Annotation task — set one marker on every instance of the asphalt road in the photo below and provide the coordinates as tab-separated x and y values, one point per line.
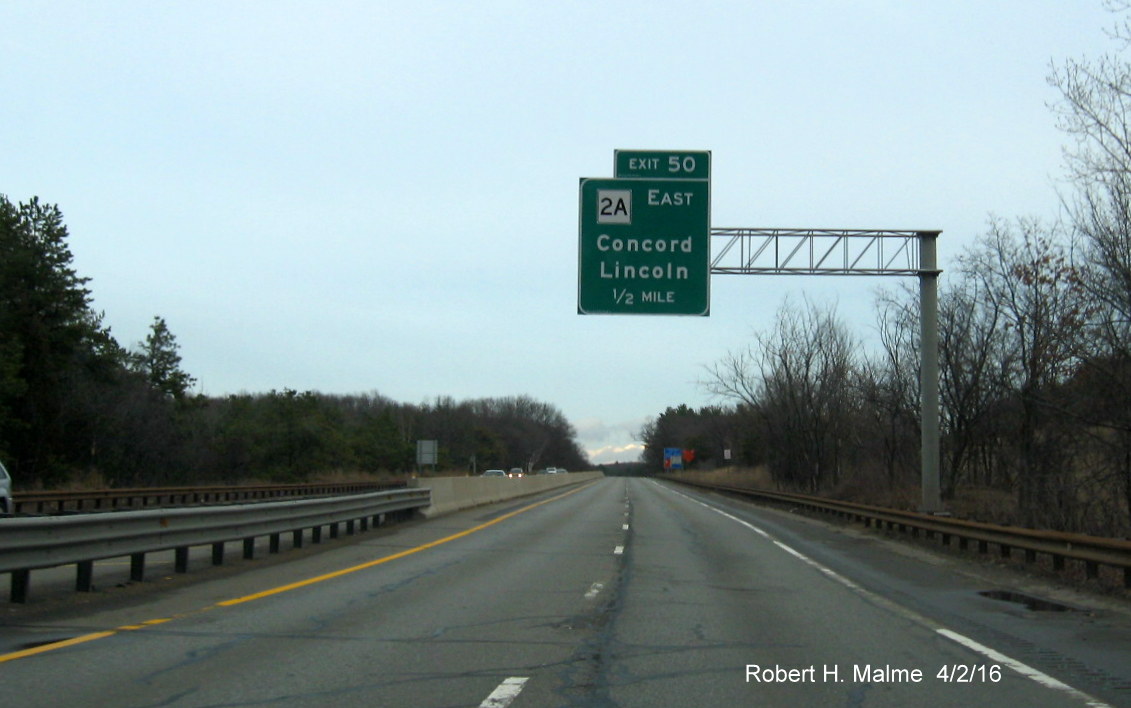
624	592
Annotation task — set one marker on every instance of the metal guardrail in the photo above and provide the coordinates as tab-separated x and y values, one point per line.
1091	551
97	499
29	543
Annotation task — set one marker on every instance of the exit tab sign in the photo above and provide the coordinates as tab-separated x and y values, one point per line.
662	164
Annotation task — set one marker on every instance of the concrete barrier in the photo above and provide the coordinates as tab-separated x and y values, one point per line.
454	493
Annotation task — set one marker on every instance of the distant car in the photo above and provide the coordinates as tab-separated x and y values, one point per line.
515	472
5	491
494	473
551	470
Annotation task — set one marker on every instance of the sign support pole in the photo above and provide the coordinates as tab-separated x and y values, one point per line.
929	371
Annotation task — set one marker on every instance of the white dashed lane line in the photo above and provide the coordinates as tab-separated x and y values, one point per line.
506	692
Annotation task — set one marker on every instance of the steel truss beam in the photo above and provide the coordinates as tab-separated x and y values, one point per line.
816	251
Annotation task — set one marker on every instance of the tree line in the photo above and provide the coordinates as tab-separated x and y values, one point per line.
74	403
1035	356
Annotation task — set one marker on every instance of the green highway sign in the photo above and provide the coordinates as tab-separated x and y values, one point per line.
662	164
644	246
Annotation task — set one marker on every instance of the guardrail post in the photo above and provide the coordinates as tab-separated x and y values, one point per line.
296	539
21	579
180	559
273	543
218	553
137	567
84	576
248	548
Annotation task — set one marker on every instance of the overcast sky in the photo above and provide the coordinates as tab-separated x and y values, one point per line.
354	197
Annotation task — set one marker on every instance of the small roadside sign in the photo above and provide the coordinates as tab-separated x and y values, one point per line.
427	452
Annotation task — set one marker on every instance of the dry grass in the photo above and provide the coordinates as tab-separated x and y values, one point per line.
993	506
757	477
86	481
352	476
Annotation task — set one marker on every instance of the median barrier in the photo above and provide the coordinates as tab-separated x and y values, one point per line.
454	493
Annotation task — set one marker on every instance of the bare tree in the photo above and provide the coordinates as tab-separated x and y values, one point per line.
1023	272
971	343
798	377
1095	109
888	385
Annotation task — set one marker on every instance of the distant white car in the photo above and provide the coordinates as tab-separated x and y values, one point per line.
5	491
494	473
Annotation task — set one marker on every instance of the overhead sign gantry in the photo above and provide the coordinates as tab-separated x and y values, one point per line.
644	248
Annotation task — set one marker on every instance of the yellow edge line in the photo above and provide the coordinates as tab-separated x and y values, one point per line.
385	559
282	588
56	645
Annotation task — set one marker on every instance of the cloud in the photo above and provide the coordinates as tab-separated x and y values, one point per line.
610	442
616	453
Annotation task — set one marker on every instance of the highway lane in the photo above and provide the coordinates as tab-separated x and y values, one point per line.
828	608
626	592
443	625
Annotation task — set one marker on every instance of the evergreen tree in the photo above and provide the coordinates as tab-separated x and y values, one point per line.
158	359
47	331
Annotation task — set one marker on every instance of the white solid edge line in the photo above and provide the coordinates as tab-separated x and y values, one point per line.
1023	669
505	692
